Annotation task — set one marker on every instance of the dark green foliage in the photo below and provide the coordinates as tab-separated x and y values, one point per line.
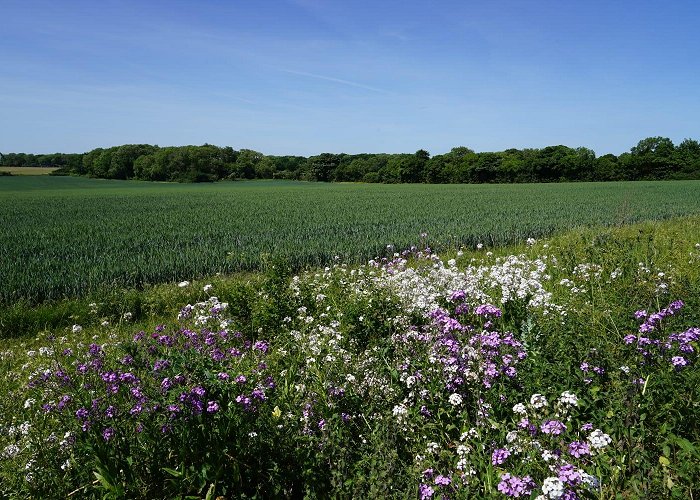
653	158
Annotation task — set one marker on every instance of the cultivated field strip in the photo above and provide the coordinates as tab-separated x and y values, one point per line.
71	236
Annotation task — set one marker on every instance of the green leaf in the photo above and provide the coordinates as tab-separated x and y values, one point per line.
172	472
665	462
210	492
686	445
103	481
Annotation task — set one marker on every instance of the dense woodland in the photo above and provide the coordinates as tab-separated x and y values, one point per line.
654	158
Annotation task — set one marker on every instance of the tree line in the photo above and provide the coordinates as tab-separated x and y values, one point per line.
653	158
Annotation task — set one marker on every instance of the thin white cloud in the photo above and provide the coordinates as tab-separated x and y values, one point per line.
336	80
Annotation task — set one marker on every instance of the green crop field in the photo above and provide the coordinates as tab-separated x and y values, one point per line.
64	237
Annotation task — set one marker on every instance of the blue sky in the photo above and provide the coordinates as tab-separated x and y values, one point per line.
311	76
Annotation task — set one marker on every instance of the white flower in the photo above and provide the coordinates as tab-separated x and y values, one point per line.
511	436
105	323
400	412
127	316
452	263
410	381
479	246
29	402
568	398
530	241
598	439
253	434
538	401
520	409
553	487
590	481
207	288
350	377
462	450
77	328
183	284
10	451
625	368
455	399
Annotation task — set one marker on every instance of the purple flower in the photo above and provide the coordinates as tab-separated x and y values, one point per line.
212	407
223	376
442	480
554	427
160	364
244	400
579	449
499	456
241	379
81	414
166	384
322	424
197	406
587	427
678	361
513	486
462	309
646	327
108	433
568	474
198	391
487	310
261	346
128	378
640	314
258	394
425	491
63	401
676	305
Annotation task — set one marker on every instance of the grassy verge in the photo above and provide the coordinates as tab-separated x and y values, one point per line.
564	366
